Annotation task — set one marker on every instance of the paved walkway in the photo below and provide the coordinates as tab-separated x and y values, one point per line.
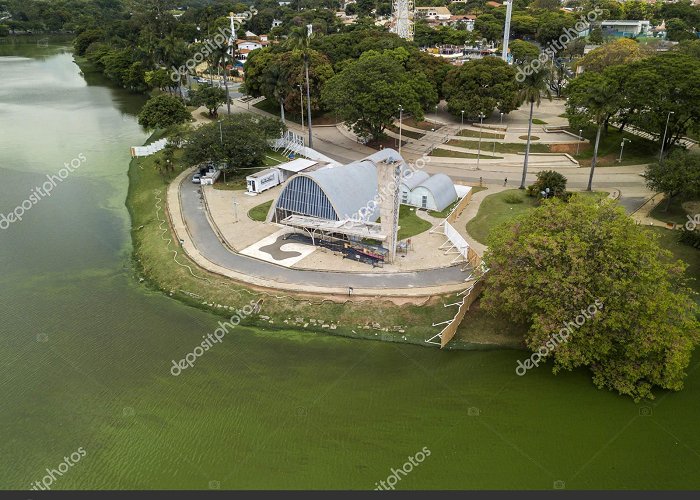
344	148
203	245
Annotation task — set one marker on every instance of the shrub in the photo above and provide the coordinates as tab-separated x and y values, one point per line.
513	198
551	179
691	238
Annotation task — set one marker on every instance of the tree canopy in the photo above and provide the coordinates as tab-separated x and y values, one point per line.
209	97
238	141
277	74
559	259
480	86
163	111
620	51
367	94
679	174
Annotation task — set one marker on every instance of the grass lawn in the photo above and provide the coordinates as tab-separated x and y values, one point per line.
237	181
447	153
501	147
405	133
484	135
410	224
638	151
446	212
494	210
424	125
159	259
274	158
318	118
259	213
537	121
668	239
675	213
480	327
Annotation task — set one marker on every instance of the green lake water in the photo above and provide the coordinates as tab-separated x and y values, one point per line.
86	353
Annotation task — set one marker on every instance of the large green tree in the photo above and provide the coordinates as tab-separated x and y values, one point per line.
367	94
620	51
661	84
209	97
558	260
523	51
481	86
679	174
163	111
238	141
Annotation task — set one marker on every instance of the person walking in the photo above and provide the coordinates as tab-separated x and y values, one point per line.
505	182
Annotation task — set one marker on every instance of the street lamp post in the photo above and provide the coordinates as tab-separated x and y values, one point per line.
436	108
221	139
661	154
481	125
301	99
309	32
622	147
578	144
400	127
501	118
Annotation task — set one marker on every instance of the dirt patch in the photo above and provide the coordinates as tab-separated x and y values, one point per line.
424	125
567	148
325	119
387	142
691	207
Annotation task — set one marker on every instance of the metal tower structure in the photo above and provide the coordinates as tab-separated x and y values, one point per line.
402	18
232	39
506	29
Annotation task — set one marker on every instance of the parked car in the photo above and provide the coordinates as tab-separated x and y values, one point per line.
197	178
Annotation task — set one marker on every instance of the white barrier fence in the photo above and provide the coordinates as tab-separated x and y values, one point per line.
457	240
149	149
294	143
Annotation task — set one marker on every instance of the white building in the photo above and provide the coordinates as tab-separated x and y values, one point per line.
250	45
433	13
431	192
625	28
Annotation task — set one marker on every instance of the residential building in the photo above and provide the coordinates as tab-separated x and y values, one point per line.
625	28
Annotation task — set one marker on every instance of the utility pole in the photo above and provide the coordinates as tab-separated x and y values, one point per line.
478	155
506	29
232	48
301	99
580	137
622	147
400	127
309	32
661	154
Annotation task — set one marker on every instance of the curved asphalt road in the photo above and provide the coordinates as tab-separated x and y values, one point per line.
209	245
